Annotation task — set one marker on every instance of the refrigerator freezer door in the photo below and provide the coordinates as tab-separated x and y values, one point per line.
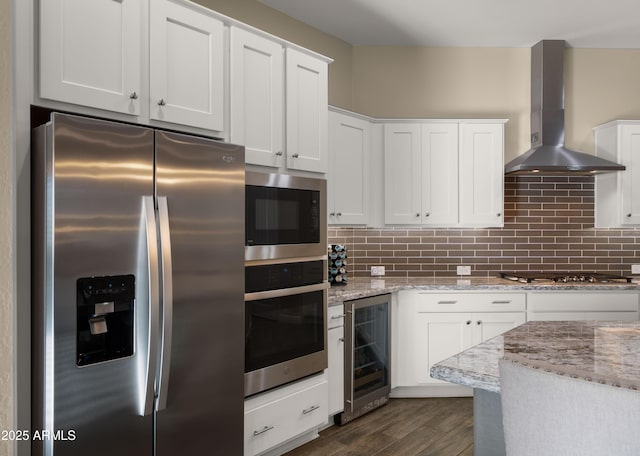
89	181
200	410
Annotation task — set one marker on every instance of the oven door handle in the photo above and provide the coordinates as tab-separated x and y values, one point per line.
285	291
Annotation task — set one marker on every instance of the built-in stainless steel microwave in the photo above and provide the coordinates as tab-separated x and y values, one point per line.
286	217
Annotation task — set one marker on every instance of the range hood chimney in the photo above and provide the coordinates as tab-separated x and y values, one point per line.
548	154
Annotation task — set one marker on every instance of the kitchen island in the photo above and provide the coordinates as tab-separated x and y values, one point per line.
598	351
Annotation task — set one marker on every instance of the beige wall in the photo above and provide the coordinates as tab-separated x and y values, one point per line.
380	81
6	270
265	18
446	83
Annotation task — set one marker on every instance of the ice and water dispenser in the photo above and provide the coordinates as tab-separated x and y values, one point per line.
105	318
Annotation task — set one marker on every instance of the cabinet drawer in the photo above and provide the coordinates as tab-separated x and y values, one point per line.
335	316
593	301
470	302
275	422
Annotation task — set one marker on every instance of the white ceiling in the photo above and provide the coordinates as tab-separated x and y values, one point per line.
472	23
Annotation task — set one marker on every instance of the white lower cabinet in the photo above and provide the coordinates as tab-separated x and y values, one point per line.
594	305
335	373
292	413
430	327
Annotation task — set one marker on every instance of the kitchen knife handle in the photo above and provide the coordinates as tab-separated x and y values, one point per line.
167	301
149	324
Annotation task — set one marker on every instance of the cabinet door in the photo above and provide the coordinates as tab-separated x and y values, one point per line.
630	144
488	325
90	53
257	97
440	174
439	336
186	65
481	174
402	174
336	370
348	177
307	118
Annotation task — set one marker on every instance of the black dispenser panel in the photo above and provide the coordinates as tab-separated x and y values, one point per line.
105	324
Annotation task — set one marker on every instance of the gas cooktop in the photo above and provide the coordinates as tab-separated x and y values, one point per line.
564	277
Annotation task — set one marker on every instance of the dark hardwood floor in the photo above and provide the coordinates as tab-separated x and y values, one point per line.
402	427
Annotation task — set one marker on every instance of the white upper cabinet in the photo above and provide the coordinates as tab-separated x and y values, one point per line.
481	174
617	194
440	174
257	97
91	53
402	174
186	65
444	174
348	177
306	111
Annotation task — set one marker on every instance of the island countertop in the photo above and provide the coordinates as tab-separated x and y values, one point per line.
606	352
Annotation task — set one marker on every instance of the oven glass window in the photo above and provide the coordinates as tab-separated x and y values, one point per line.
283	328
282	216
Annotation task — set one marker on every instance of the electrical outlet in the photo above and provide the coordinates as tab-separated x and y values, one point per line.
377	270
635	269
464	270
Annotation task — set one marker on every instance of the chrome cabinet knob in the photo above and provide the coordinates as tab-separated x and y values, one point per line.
161	102
133	95
296	155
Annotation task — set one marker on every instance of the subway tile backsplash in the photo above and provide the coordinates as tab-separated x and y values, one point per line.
548	226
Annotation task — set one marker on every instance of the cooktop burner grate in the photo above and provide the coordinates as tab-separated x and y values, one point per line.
564	277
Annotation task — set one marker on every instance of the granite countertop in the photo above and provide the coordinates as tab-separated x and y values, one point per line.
604	352
363	287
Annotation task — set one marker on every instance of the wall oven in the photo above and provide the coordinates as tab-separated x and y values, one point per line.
285	322
286	216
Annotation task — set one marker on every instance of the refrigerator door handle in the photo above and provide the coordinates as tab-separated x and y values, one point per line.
167	307
149	324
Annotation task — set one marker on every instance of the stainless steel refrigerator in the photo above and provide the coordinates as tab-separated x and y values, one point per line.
138	291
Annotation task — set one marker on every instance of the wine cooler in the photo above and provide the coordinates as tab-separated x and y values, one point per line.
367	372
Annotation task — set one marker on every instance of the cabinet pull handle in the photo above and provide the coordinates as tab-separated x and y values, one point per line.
332	214
498	214
296	155
335	317
468	322
310	409
500	302
341	339
263	430
427	214
133	96
339	214
447	302
279	153
479	322
418	214
628	215
162	102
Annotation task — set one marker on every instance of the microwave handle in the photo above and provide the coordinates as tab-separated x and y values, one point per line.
285	292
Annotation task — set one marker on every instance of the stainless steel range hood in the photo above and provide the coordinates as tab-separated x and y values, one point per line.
548	154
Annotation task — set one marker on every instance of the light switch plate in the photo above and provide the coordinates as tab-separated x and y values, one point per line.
635	269
464	270
377	270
